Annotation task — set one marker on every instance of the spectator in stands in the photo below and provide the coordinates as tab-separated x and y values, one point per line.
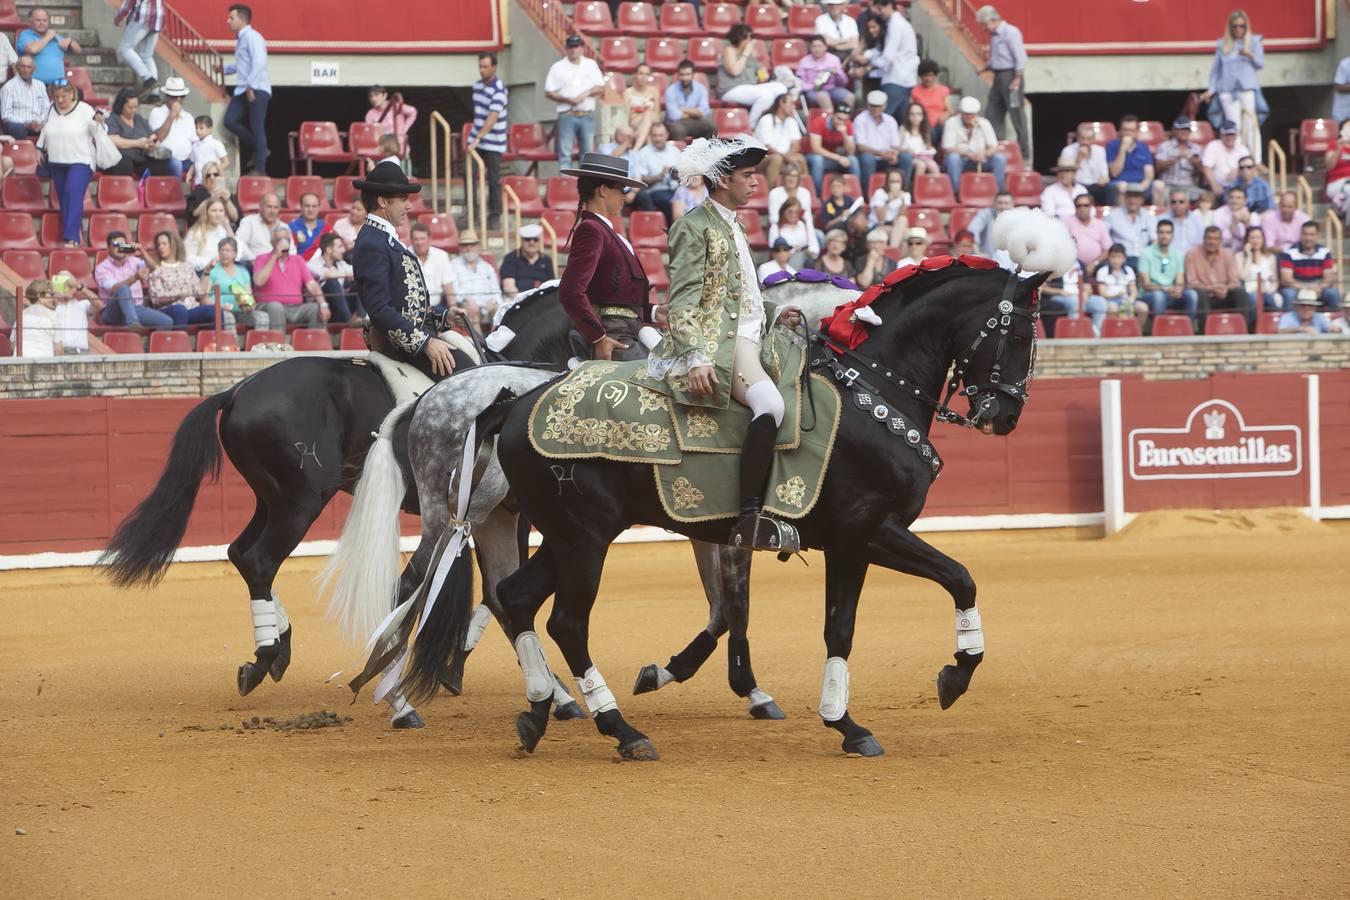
969	145
780	256
873	33
389	151
934	97
1093	170
121	279
823	78
1007	60
643	102
1233	219
47	48
1188	227
206	149
1220	158
1259	195
1259	269
1303	318
334	275
830	145
1131	225
916	143
391	115
573	83
916	246
347	227
246	116
687	197
283	286
688	114
782	134
236	286
897	59
1211	271
23	102
1118	285
963	243
1058	196
1283	223
41	338
1340	100
793	227
655	165
1178	160
68	139
621	145
1337	161
526	267
208	229
1309	265
255	229
878	140
434	262
1064	296
1234	77
487	136
76	307
1162	269
791	187
1128	160
741	78
832	260
307	229
1089	233
174	126
875	265
213	186
132	135
838	28
981	226
857	228
472	284
890	209
144	20
173	287
839	206
7	55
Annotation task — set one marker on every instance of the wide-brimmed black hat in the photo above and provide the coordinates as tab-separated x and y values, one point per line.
387	178
604	167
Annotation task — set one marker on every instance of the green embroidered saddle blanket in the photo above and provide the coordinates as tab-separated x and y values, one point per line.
597	412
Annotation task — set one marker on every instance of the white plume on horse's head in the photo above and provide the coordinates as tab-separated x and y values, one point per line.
1035	241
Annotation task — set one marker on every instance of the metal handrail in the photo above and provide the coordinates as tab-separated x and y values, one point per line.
1279	165
552	238
511	198
963	14
193	49
475	191
1336	241
441	126
1304	192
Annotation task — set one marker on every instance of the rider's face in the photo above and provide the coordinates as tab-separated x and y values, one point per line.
740	186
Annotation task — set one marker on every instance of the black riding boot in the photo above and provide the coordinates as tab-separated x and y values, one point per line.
753	528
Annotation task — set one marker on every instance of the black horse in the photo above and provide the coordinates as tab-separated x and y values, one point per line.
980	320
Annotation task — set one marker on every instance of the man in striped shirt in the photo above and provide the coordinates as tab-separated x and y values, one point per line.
23	101
488	135
144	20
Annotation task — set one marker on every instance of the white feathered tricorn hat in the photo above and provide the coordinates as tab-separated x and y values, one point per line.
717	158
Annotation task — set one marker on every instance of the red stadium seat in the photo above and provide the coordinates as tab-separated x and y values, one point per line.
647	229
25	157
27	264
679	19
1315	136
1074	328
101	224
50	235
801	20
664	54
1225	323
1152	133
164	193
1117	327
79	77
1103	133
876	183
1012	153
6	348
263	336
637	19
76	262
764	19
251	189
562	192
16	231
704	53
444	231
321	142
353	339
853	186
1201	133
528	142
788	51
731	120
592	17
1268	322
978	189
658	80
209	341
345	192
719	17
526	188
1040	328
312	340
561	221
1173	326
654	267
123	341
363	139
170	342
930	220
619	54
118	192
1025	188
24	192
152	224
934	191
754	230
299	185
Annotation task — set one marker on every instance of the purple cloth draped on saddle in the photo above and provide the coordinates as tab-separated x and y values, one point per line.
812	276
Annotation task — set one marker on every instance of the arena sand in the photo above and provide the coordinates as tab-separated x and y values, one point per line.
1162	714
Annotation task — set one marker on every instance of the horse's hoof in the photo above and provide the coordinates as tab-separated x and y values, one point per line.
529	732
410	719
452	676
647	680
251	674
640	750
863	746
951	684
568	711
283	658
768	710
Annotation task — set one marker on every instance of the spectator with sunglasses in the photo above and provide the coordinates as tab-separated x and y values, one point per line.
1089	233
1259	195
526	267
214	185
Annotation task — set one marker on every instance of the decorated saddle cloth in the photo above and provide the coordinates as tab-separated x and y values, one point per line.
598	411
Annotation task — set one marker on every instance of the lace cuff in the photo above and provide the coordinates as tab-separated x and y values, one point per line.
661	368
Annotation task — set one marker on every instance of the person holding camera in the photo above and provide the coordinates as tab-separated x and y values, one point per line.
121	279
282	282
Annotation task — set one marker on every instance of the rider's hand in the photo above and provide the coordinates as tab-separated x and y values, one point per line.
702	380
605	347
438	351
791	317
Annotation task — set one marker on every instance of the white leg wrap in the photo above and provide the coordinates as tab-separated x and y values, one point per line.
265	630
538	679
758	698
283	623
969	634
398	705
663	677
478	624
560	695
599	698
834	689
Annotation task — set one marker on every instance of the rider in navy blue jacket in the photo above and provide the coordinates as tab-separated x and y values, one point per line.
403	324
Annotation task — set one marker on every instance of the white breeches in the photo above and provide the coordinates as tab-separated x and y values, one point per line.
1249	127
759	97
751	385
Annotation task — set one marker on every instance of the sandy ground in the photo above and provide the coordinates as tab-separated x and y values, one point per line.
1159	716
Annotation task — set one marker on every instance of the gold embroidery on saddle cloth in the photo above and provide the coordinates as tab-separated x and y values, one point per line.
685	495
701	424
649	400
563	425
792	491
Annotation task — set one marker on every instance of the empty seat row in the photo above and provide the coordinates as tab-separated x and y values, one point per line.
663	54
645	19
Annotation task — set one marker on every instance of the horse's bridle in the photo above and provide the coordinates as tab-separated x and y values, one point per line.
987	406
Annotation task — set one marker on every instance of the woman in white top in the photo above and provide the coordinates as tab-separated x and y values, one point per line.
211	226
890	208
39	320
796	231
791	187
917	141
1257	267
68	139
643	102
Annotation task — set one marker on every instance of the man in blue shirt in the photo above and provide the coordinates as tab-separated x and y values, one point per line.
1128	160
1007	60
487	137
688	114
1259	195
47	48
246	117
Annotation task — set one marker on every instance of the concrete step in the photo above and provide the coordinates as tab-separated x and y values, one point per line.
112	75
64	17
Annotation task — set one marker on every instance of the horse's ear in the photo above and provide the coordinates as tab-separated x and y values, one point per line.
1030	284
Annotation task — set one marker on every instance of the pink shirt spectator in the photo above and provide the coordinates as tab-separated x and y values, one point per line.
286	284
1092	238
809	67
344	229
394	119
1281	234
110	271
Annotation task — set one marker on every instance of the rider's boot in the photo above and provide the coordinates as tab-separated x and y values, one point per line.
755	529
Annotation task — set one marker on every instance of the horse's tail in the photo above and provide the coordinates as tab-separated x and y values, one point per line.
143	546
363	571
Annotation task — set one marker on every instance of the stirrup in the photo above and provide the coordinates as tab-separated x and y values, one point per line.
758	531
